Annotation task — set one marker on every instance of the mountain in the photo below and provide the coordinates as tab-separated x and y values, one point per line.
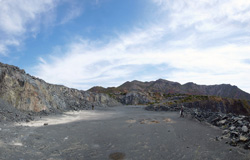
167	87
22	93
28	93
217	98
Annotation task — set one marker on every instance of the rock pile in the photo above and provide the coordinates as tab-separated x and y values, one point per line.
235	127
9	113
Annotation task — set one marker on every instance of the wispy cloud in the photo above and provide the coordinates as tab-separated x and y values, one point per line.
88	64
22	19
19	18
205	14
199	41
73	10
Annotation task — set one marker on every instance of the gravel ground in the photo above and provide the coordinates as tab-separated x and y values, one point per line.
124	132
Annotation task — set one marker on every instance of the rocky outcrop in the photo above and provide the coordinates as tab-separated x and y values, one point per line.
134	98
29	93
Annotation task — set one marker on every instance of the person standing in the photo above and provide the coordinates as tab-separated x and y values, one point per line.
181	111
93	107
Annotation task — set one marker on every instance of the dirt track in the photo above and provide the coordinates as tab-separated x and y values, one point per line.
115	133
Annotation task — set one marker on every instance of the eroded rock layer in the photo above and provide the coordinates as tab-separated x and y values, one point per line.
29	93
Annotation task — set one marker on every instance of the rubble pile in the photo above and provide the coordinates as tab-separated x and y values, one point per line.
234	127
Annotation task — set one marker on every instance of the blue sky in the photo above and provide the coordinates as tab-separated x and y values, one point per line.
85	43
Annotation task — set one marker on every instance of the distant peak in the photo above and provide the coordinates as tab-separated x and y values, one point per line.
161	80
135	81
190	83
98	87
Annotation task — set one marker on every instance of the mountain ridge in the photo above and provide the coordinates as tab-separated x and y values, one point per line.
169	87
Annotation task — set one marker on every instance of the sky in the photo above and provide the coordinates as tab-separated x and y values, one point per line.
86	43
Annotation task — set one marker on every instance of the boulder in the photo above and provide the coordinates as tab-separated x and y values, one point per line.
243	138
234	134
247	145
222	122
233	143
232	128
244	129
224	132
215	120
225	117
240	123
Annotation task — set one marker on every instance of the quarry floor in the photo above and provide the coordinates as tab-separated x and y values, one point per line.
124	132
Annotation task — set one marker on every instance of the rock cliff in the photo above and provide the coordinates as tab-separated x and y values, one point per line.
29	93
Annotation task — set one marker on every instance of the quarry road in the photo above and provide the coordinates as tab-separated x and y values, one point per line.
117	133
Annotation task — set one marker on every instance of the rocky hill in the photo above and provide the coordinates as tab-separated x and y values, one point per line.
167	87
218	98
164	86
28	93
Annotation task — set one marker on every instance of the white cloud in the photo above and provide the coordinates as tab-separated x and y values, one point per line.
16	15
117	61
20	17
199	41
207	13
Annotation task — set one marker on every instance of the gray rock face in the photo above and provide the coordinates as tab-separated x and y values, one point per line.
134	98
29	93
